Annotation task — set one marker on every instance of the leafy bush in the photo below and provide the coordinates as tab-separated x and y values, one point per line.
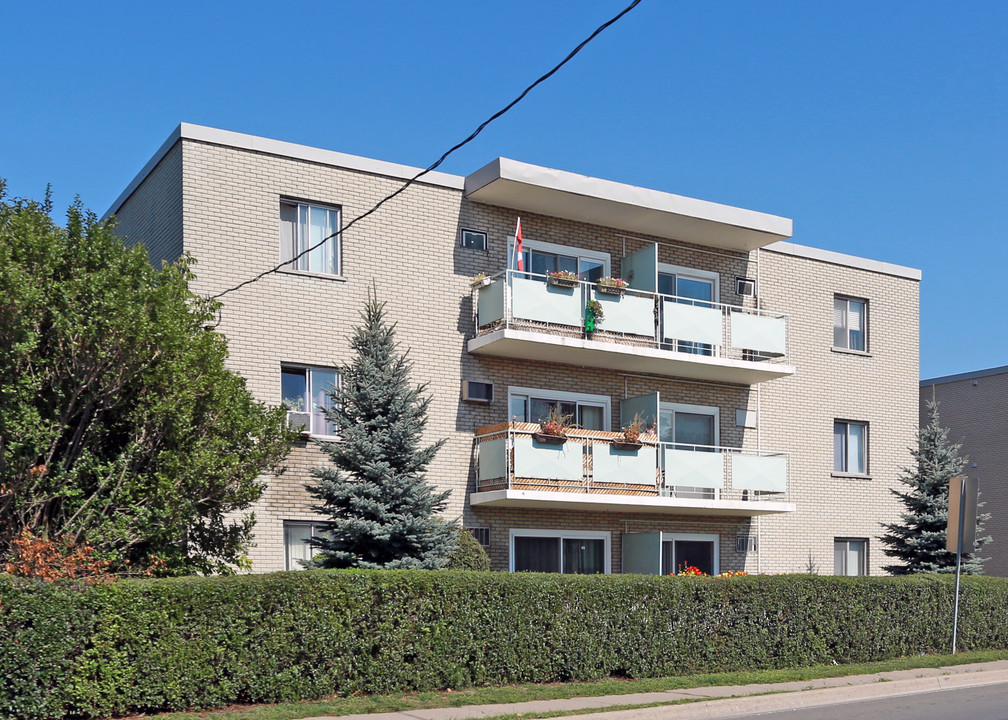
469	554
150	645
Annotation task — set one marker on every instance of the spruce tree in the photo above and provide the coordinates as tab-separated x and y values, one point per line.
382	510
919	540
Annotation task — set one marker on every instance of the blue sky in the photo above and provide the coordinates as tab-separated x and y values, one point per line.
880	128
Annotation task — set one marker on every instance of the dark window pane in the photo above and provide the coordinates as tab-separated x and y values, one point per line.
698	553
542	263
294	389
536	554
566	262
583	557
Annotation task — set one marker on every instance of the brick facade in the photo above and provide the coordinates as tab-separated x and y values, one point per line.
220	203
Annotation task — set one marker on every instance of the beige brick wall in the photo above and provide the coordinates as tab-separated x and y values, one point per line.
974	411
153	213
798	412
409	253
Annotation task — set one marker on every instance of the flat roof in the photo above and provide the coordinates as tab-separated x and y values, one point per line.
557	193
853	261
513	184
965	376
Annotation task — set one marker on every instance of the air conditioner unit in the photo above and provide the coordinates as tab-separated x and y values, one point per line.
746	287
477	392
299	422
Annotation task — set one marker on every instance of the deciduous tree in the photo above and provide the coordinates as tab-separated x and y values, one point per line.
120	426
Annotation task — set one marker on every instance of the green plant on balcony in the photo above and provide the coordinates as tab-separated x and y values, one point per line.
593	316
562	278
609	285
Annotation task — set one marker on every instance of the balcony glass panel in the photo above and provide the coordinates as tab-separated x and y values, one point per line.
533	459
693	469
536	300
633	467
757	472
765	335
691	323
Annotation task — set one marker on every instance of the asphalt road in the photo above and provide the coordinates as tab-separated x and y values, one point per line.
988	702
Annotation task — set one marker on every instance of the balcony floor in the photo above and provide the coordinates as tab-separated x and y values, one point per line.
554	500
547	347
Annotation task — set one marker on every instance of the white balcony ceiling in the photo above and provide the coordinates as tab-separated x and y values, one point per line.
549	499
529	345
635	210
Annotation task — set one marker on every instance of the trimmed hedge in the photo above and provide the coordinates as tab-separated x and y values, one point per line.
150	645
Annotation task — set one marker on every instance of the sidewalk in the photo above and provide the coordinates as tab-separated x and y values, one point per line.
732	700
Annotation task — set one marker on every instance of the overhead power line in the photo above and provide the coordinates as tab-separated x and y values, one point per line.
441	159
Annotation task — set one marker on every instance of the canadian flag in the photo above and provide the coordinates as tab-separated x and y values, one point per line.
518	247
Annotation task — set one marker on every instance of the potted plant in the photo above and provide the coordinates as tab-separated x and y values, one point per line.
554	430
479	280
562	278
612	285
631	435
593	315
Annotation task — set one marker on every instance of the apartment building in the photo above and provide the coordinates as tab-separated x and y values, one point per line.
973	406
779	382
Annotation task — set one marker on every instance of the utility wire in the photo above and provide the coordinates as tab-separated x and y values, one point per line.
441	159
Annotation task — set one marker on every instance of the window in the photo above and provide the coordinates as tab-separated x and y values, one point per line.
482	535
850	556
695	428
850	323
473	240
850	447
569	551
305	392
540	258
304	226
591	412
296	547
698	550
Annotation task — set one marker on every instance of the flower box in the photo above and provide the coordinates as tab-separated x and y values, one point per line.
611	290
563	282
547	439
622	445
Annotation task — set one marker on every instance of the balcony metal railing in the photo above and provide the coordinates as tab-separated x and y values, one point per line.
529	301
510	456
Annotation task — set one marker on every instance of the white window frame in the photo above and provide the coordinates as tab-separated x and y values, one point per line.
696	537
862	556
310	390
570	250
846	326
693	273
604	400
696	410
867	440
315	526
292	265
563	535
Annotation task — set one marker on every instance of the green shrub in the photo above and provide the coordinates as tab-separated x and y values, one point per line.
149	645
469	554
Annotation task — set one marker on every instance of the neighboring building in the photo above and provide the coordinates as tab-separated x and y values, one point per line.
974	408
783	379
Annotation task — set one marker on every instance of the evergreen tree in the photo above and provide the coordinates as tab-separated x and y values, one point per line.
382	510
919	541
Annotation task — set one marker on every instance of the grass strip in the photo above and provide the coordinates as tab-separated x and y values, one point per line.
367	704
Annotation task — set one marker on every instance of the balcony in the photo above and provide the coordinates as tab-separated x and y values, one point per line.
590	471
522	315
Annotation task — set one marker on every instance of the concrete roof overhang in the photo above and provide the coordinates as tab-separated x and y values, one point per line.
517	185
